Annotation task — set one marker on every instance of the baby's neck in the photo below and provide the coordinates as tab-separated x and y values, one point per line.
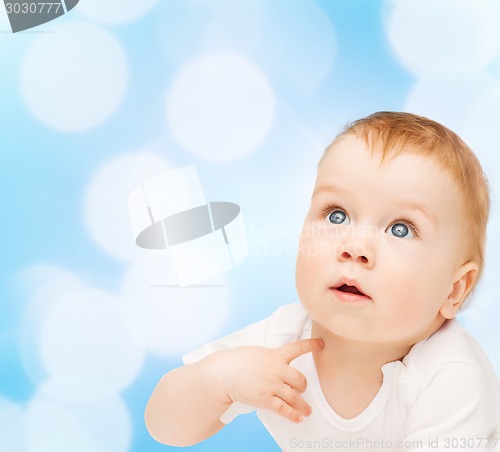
350	372
341	355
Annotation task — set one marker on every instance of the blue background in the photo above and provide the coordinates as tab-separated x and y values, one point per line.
113	93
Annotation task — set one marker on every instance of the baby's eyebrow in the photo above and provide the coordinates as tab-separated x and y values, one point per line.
419	207
328	188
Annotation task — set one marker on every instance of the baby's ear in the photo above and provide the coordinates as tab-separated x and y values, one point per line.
463	282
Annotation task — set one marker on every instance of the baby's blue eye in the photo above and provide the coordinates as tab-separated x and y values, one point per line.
400	230
338	217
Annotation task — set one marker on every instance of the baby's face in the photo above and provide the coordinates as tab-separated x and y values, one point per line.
392	231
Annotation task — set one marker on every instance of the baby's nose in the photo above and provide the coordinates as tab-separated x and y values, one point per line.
356	252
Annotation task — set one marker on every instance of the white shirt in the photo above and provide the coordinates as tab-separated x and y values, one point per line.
444	395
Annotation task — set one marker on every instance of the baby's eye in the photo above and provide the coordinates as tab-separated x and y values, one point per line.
401	231
338	217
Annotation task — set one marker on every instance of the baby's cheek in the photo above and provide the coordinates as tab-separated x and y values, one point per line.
413	304
306	244
402	289
308	268
303	271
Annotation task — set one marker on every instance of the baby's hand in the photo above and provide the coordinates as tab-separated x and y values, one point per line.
261	377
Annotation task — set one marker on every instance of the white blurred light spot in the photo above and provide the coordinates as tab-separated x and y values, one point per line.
12	427
110	11
296	49
53	428
61	386
171	319
185	27
220	106
179	28
443	37
83	334
42	284
298	45
449	100
96	426
44	279
74	79
480	131
234	26
106	200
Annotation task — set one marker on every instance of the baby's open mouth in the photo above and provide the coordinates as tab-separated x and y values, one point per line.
350	289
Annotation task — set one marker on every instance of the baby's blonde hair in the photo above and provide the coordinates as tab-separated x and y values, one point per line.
393	133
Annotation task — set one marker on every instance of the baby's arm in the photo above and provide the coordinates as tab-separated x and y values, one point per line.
187	403
184	408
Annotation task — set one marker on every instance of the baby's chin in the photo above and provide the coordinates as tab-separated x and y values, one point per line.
349	328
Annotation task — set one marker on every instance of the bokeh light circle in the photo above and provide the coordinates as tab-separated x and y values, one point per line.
106	200
298	48
95	426
233	26
170	319
443	37
448	100
43	284
75	78
220	106
83	334
76	337
480	132
12	426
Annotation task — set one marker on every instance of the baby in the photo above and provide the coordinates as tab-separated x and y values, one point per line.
371	358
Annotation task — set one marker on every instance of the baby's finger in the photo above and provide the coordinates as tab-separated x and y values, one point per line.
295	379
293	350
294	400
280	407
